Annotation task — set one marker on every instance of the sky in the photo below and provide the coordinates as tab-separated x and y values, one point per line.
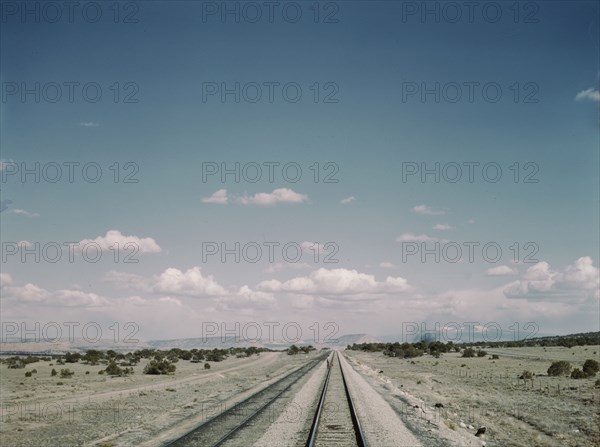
394	162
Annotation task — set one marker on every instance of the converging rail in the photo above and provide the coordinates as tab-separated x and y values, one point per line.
340	427
220	428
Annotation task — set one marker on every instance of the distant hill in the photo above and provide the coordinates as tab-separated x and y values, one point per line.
226	342
16	346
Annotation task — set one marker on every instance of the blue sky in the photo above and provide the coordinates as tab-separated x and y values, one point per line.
365	61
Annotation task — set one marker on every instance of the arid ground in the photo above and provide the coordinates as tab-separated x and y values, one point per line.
442	401
545	411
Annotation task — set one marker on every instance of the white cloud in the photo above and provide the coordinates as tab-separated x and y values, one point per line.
112	237
5	279
246	298
501	270
582	275
590	94
219	197
388	265
25	213
89	124
442	227
336	282
540	282
347	200
280	195
409	237
76	298
30	293
188	283
470	221
424	209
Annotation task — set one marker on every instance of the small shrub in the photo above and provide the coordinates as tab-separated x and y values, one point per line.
66	373
53	372
597	383
469	352
577	374
157	367
207	365
87	373
28	374
526	375
560	368
481	353
495	357
591	368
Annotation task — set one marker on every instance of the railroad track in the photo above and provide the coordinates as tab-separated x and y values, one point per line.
218	429
341	426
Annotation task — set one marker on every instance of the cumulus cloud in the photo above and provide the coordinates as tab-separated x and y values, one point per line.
112	237
246	298
29	293
540	282
188	283
409	237
89	124
442	227
219	197
581	275
280	195
424	209
336	282
501	270
347	200
590	94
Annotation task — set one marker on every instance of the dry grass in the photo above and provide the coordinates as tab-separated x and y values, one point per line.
543	411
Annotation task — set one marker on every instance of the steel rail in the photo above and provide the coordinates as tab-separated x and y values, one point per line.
215	420
314	429
360	436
